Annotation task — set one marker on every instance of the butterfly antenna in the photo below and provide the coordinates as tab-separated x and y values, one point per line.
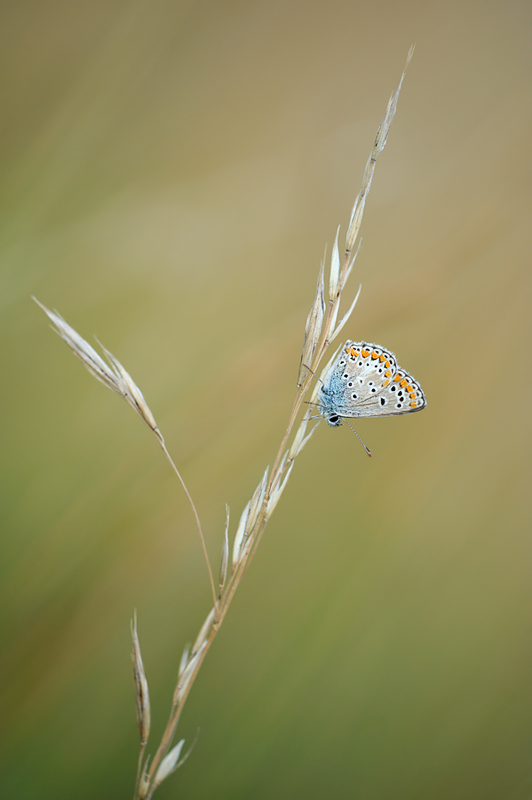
310	403
313	373
368	451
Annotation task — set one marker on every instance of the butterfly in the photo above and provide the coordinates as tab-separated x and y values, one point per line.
367	381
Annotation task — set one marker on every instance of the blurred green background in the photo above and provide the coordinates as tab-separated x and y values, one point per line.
170	175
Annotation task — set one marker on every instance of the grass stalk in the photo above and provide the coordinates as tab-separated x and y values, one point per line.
321	329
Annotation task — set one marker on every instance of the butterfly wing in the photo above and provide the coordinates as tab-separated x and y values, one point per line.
366	381
401	396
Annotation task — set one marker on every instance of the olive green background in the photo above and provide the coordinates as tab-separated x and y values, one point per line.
170	175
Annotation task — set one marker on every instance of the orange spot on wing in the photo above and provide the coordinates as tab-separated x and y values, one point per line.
382	358
386	383
365	353
388	374
413	404
374	354
412	394
403	383
398	377
387	365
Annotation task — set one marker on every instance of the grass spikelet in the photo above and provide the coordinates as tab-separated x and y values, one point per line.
225	556
346	316
113	375
203	632
169	764
334	273
184	659
312	328
239	535
142	694
276	493
142	698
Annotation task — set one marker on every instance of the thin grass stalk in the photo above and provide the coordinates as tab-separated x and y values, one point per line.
338	278
194	510
320	329
113	375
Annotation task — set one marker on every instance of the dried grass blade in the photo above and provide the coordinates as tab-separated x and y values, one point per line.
347	272
204	632
257	501
239	535
276	494
300	435
184	659
335	269
346	316
307	437
225	555
186	675
312	328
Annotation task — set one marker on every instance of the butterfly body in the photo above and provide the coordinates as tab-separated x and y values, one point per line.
366	381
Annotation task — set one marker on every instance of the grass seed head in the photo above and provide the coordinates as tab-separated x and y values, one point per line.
142	695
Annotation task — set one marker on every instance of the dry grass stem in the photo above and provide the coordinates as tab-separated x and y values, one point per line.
321	328
115	377
194	511
378	146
